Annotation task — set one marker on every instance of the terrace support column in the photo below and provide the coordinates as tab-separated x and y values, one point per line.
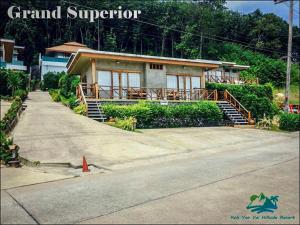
94	71
95	83
202	80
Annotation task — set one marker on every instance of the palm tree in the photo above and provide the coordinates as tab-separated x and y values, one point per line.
274	199
13	81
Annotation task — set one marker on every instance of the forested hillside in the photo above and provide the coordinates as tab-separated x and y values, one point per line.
188	29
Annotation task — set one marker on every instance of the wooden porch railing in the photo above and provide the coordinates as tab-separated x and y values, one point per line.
80	94
116	92
236	104
229	79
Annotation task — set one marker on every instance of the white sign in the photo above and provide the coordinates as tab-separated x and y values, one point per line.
164	102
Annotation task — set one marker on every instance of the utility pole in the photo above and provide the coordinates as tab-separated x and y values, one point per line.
201	46
289	54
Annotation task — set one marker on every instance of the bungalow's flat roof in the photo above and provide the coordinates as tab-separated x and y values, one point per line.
19	47
7	40
118	56
138	58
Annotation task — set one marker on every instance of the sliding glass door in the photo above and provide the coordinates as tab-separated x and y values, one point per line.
186	86
134	80
114	84
105	83
186	82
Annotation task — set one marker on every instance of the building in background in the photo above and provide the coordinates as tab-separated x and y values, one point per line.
228	72
9	55
111	75
56	57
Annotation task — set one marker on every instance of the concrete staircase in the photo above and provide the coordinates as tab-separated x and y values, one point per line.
94	110
233	115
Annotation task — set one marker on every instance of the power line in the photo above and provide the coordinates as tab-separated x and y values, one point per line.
287	5
204	36
211	38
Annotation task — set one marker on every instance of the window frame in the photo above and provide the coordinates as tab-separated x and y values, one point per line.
120	81
155	66
185	77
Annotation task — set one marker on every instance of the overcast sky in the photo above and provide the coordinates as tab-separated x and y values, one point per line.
266	6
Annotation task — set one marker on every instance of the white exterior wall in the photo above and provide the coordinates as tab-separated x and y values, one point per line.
55	67
15	67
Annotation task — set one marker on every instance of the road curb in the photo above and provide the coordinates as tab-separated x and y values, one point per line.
30	163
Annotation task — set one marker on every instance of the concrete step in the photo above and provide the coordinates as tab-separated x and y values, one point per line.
238	120
97	116
241	123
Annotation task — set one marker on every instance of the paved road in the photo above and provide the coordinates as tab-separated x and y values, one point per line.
198	188
50	132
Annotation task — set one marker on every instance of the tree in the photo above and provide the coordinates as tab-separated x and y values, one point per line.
14	82
110	42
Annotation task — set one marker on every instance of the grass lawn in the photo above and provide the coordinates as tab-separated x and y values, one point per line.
294	93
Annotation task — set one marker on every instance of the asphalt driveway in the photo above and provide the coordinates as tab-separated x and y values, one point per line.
50	133
186	175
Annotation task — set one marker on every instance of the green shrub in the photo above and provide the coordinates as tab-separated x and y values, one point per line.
80	109
55	95
153	115
11	114
12	80
50	81
289	122
21	93
264	123
5	155
126	123
258	99
34	84
72	102
4	91
68	84
238	91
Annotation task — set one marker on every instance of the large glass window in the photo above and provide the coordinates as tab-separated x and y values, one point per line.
104	78
104	81
196	82
116	84
187	83
219	74
172	82
134	80
184	82
181	82
124	79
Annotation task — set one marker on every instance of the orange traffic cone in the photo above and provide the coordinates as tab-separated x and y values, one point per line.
85	167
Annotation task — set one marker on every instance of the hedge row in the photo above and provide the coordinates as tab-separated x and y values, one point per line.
5	154
153	115
258	99
66	83
289	122
10	81
11	114
56	96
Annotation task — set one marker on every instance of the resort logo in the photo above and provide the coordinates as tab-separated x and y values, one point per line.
261	203
72	12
